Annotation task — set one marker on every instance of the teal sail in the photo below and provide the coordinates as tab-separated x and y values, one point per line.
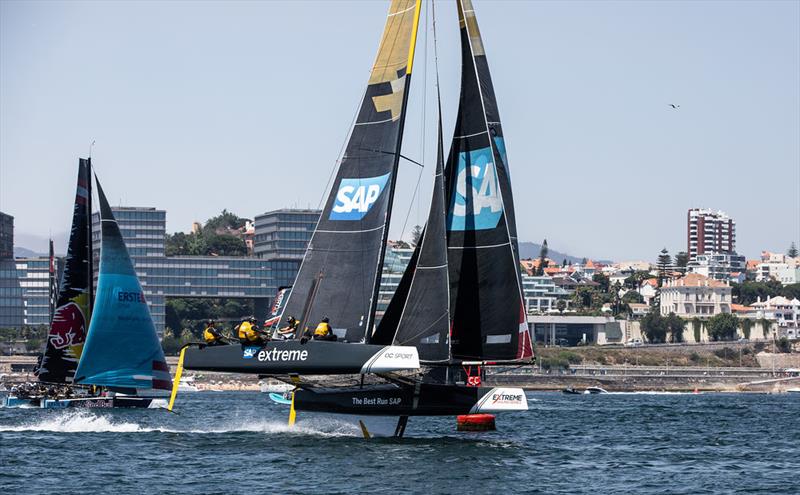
122	349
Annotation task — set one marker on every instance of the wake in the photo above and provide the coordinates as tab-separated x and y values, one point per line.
89	422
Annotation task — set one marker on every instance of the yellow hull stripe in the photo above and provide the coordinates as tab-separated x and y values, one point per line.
177	381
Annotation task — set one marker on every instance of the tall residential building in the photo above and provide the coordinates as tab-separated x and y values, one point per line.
710	232
6	236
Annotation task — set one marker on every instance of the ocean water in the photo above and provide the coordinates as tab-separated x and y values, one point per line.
238	442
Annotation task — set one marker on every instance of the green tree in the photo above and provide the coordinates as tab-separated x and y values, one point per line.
746	325
542	258
663	265
224	221
416	234
791	291
722	327
792	251
765	324
675	326
749	292
225	245
561	305
654	327
603	280
635	280
697	327
583	297
632	297
681	260
783	345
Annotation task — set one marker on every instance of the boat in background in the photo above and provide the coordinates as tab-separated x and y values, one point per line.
595	390
70	310
122	352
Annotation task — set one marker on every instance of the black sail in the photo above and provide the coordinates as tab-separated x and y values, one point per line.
340	272
488	317
70	321
419	312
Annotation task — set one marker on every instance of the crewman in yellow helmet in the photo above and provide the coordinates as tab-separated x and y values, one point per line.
211	335
323	330
248	332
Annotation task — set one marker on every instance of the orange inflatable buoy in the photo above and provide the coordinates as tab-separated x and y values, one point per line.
475	422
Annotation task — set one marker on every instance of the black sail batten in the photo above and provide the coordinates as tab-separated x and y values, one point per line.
488	313
419	312
70	322
343	259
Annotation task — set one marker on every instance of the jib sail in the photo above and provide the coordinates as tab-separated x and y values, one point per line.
419	312
488	316
340	272
70	319
122	348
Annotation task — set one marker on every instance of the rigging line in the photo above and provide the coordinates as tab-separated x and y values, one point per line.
389	153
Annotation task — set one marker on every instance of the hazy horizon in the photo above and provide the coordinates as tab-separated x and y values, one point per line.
200	106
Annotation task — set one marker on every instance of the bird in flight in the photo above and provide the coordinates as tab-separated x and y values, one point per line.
674	106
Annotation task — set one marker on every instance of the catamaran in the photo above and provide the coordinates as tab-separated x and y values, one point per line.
111	357
459	306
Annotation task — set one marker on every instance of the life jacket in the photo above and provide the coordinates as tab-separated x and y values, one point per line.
210	335
323	329
246	332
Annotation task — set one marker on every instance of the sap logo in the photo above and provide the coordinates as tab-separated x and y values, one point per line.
249	352
476	204
356	196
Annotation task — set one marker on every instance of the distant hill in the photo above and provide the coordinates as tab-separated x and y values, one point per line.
21	252
531	250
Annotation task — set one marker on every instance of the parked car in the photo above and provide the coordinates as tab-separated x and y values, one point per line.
634	343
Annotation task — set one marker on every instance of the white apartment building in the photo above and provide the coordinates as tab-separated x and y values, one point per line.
542	294
719	266
695	295
785	312
776	266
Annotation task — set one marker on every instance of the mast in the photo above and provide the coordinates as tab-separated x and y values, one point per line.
398	149
90	285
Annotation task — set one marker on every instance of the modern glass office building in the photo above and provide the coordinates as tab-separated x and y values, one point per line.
144	230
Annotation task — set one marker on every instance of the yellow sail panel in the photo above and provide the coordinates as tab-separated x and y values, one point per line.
395	55
466	18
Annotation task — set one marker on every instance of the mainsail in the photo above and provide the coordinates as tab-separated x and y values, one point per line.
70	319
340	272
122	348
488	316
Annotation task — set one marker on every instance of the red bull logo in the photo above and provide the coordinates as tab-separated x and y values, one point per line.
69	327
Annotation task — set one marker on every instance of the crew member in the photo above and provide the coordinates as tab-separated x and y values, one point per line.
323	330
248	333
211	335
289	330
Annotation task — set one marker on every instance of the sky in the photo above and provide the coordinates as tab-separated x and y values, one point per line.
199	106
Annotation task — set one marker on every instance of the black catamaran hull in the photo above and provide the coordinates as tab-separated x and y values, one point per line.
311	358
421	399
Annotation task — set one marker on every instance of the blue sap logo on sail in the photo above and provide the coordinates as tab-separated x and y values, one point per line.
476	203
356	196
